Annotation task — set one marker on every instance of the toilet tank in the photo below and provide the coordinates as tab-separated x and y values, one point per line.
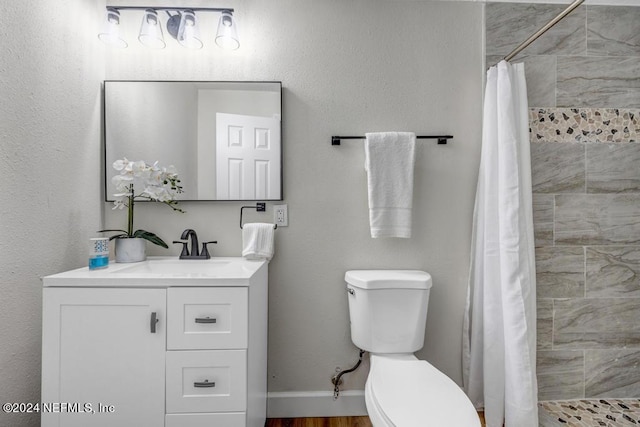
388	309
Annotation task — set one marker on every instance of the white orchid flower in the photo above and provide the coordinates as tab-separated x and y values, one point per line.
159	183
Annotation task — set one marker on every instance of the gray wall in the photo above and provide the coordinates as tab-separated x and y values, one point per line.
584	89
346	68
50	203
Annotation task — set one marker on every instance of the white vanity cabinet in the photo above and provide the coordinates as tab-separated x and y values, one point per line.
143	349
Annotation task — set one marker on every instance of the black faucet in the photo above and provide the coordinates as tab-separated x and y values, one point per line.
194	240
194	254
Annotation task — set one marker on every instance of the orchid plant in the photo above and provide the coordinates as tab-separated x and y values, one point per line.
160	185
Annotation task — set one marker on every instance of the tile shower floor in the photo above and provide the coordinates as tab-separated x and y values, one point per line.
590	412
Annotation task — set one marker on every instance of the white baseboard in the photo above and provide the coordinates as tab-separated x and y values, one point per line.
302	404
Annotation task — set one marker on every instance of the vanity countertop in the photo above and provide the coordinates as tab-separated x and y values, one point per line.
159	272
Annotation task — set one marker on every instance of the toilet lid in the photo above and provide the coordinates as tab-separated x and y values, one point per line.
414	393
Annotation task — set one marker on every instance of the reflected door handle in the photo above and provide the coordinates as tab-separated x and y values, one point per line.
206	320
153	321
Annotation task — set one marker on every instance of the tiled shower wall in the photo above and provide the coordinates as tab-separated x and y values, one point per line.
583	81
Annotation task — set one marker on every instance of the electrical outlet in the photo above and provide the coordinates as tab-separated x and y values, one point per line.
280	215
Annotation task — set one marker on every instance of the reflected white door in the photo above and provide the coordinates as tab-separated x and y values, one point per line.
247	157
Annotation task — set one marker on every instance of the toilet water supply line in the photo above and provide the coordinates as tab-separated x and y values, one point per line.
335	379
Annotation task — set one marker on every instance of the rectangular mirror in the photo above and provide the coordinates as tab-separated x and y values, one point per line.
224	138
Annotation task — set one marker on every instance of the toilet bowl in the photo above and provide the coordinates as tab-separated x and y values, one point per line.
402	391
388	309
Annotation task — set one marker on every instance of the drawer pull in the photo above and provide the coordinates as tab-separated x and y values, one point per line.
153	321
205	320
204	384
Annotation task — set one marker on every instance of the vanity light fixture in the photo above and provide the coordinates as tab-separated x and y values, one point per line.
182	25
188	34
227	34
151	30
111	33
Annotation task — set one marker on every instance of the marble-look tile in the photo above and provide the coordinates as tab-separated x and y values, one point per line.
560	272
612	271
543	219
540	74
560	374
544	329
598	82
612	373
548	418
613	168
509	24
605	39
558	167
597	219
600	323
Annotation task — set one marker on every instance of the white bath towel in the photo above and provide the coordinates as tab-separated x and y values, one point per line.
257	241
389	161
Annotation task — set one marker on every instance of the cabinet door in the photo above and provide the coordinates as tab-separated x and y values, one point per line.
103	357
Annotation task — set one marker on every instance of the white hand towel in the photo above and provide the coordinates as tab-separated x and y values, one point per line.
257	241
389	161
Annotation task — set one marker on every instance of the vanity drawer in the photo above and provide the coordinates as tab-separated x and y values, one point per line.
225	419
207	318
206	381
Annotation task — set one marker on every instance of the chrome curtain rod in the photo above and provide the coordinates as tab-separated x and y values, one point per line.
442	139
543	30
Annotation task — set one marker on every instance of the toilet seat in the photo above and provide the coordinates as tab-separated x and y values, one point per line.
406	392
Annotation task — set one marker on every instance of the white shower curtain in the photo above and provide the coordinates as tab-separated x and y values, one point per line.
499	339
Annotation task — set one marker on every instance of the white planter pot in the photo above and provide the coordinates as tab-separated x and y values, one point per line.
131	249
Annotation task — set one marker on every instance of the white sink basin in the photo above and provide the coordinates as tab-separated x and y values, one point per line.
209	267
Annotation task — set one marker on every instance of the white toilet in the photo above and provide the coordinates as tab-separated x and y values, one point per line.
388	311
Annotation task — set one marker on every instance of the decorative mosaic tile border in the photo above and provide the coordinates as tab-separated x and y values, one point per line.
586	125
590	413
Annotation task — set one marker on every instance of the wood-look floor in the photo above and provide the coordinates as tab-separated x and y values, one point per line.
328	422
320	422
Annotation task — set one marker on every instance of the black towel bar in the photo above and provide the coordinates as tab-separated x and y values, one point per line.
442	139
